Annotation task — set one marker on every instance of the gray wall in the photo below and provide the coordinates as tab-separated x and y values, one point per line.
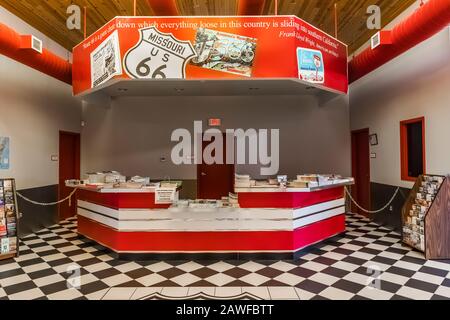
132	134
33	108
414	84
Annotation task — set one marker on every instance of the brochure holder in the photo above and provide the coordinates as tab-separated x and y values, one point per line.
432	224
9	220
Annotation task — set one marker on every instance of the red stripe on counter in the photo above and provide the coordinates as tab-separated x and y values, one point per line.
292	200
184	241
211	241
121	200
316	232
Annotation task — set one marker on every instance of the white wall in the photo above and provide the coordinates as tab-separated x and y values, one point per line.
132	134
414	84
33	108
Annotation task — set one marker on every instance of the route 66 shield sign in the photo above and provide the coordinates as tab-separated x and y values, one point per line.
158	55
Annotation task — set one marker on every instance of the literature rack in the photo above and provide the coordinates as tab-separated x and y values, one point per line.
426	217
9	220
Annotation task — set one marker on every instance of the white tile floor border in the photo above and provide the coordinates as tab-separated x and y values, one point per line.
283	293
119	294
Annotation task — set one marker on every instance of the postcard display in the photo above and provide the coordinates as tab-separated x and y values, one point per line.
426	217
9	242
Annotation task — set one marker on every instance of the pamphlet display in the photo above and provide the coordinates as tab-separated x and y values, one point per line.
9	218
426	217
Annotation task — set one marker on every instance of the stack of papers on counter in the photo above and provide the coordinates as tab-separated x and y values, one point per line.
243	181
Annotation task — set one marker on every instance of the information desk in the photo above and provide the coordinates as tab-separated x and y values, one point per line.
271	223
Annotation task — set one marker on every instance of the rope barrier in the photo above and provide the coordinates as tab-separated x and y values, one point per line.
369	211
69	197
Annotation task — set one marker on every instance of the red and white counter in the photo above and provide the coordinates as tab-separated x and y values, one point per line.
271	223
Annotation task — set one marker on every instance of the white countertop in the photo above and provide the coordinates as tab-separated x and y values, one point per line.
114	190
339	183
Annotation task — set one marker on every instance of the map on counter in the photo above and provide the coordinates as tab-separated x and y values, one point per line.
4	153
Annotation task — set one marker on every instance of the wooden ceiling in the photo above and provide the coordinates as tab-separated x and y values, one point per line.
49	16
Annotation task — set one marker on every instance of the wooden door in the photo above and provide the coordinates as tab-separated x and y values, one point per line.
69	168
216	180
361	169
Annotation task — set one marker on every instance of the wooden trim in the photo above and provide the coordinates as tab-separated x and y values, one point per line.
404	148
8	256
437	225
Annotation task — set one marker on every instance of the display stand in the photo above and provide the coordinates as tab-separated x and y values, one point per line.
9	220
426	217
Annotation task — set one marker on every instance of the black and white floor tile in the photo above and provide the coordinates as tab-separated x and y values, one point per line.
368	262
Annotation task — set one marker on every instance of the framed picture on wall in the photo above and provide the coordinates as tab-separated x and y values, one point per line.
4	153
373	139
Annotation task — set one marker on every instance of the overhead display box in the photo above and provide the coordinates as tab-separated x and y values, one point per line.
162	49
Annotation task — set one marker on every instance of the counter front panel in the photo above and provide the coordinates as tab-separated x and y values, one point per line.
273	224
259	198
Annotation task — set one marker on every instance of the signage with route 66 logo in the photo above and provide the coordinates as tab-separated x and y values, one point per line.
158	55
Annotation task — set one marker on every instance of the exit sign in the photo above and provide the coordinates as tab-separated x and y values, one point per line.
215	122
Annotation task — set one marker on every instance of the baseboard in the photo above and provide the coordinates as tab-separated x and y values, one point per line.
34	217
380	195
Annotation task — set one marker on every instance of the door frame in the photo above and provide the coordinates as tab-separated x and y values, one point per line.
199	165
77	161
404	148
354	167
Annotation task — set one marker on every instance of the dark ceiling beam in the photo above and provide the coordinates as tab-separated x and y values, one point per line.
164	8
250	7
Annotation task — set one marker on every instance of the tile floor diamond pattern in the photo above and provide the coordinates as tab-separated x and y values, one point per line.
338	268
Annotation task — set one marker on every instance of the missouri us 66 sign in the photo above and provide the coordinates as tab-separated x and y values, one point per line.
158	55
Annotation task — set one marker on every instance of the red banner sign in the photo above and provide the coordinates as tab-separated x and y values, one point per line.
280	47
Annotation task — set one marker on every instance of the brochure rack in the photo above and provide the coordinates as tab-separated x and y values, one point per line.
9	220
426	217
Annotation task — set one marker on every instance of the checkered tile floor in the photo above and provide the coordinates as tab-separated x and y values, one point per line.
368	262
